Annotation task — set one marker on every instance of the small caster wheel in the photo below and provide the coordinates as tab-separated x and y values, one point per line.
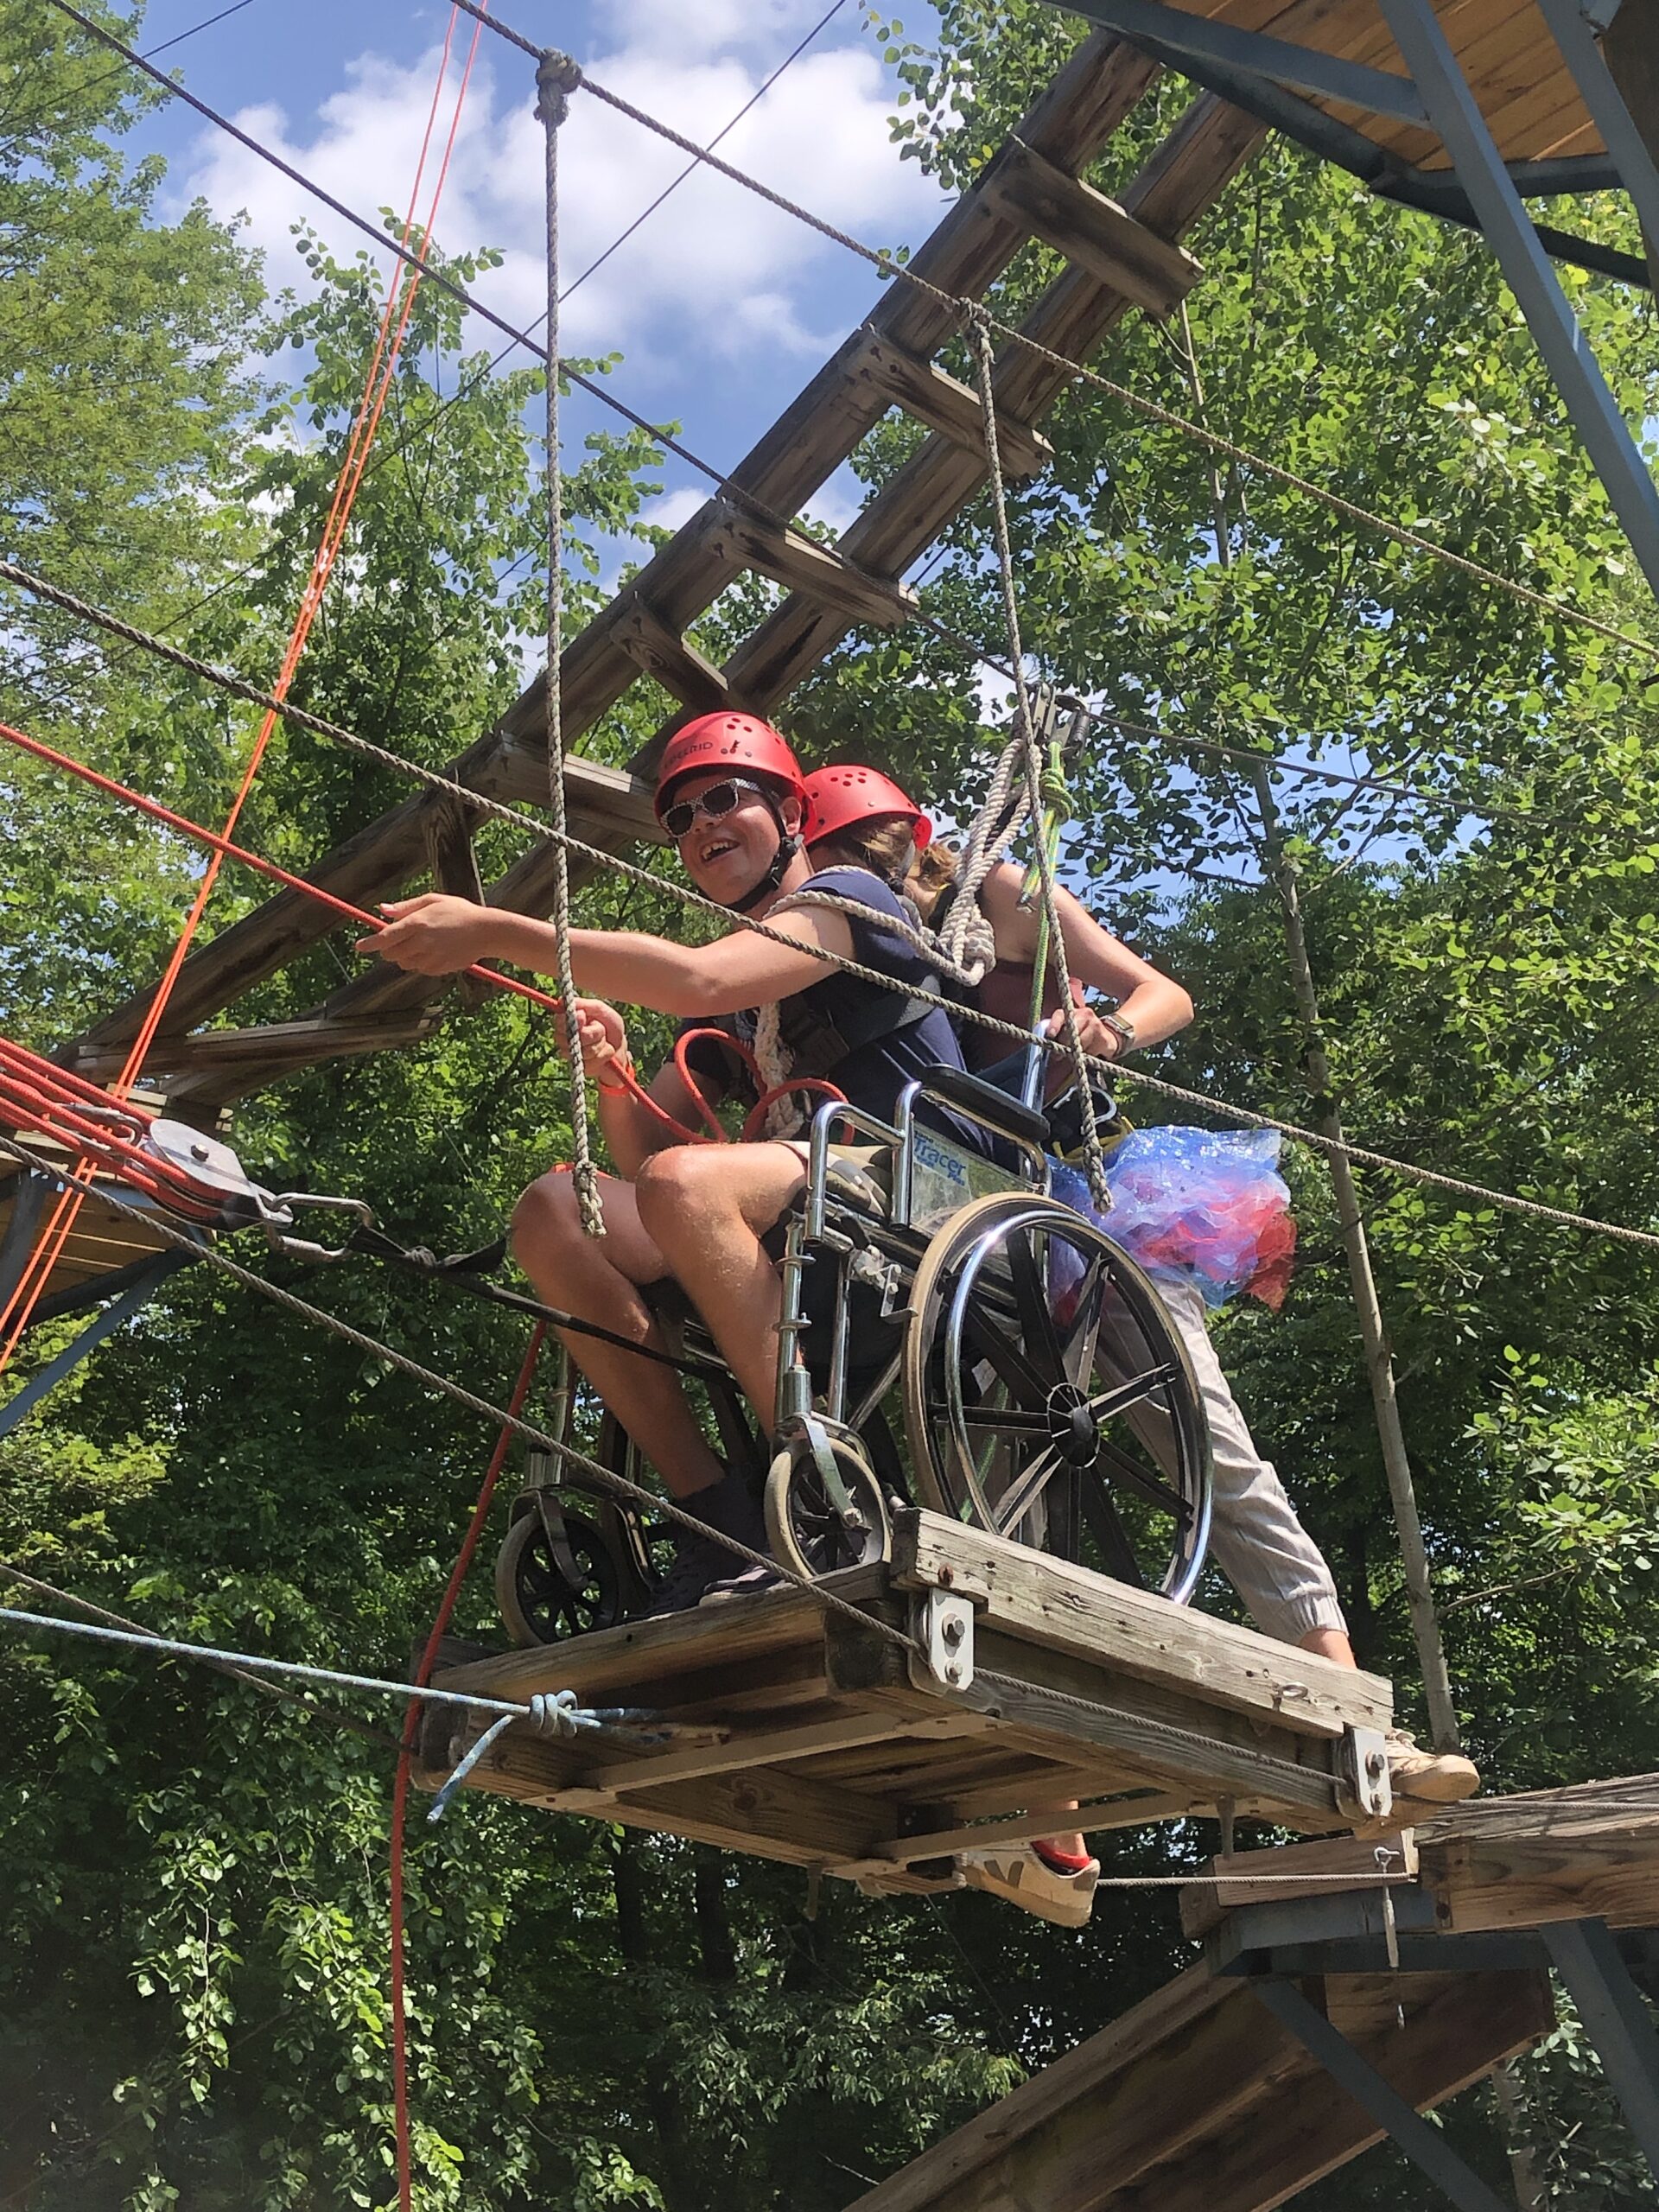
813	1531
542	1601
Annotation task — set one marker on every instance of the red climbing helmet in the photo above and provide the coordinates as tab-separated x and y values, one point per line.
837	797
732	740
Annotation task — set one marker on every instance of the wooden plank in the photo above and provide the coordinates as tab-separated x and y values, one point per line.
1340	1862
1099	1817
925	392
1466	2027
1046	1601
1568	1854
803	565
1067	1703
766	1814
663	654
745	1750
1095	233
268	1050
1198	2101
673	1657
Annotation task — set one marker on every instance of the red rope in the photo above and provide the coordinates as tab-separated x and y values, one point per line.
400	300
400	1786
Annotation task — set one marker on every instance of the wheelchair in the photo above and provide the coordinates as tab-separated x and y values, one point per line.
953	1336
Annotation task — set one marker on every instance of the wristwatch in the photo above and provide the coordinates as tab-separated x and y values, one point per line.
1121	1028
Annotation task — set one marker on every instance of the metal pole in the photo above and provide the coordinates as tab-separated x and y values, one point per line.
23	1403
1632	155
1424	2145
1616	2019
1379	1357
1455	113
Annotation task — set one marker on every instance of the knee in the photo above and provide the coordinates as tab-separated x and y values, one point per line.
545	1220
676	1188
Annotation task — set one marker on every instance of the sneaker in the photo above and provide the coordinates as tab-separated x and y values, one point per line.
1436	1778
728	1505
698	1561
743	1585
1051	1883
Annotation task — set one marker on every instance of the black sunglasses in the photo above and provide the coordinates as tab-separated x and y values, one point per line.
713	804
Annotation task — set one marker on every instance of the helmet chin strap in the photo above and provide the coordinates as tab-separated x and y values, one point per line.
789	843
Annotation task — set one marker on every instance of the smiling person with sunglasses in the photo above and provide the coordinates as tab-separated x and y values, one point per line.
731	794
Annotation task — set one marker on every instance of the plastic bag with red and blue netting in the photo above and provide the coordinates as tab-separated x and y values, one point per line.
1200	1206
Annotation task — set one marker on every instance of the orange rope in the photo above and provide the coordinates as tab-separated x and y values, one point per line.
377	383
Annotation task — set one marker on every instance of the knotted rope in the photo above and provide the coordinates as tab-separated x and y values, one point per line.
556	77
1025	740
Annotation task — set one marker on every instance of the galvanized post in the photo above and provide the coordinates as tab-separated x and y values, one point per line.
1424	2145
1608	111
23	1402
1455	113
1616	2019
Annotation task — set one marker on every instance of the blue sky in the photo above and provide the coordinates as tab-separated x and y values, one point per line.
722	307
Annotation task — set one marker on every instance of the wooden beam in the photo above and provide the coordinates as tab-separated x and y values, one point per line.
801	563
1341	1862
1197	2101
269	1051
1066	1608
924	390
1093	233
677	665
1592	1852
1185	175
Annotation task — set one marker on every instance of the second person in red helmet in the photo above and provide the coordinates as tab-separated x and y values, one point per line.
731	795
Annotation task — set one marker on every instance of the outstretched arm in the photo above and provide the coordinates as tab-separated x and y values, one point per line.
435	935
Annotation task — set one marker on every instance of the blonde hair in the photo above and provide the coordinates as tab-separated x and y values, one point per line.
935	871
884	845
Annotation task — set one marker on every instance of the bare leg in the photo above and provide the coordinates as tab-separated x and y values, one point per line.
705	1210
598	1278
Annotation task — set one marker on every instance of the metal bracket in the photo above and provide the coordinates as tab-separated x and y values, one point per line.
1364	1790
943	1624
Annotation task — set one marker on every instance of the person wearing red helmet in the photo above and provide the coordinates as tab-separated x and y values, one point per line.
1258	1540
731	795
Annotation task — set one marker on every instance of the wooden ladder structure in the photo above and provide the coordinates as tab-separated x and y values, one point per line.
1116	257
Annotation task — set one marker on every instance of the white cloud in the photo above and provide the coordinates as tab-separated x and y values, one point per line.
715	276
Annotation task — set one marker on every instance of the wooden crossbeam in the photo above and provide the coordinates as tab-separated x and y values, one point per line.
657	648
924	390
1093	232
275	1046
804	565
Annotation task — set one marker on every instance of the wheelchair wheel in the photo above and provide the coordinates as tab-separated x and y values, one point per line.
806	1528
550	1585
1048	1398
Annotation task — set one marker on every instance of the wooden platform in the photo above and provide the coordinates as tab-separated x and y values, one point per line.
1199	2100
827	1745
104	1243
1201	2097
1513	66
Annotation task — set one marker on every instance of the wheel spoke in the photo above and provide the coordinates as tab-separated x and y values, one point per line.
1106	1404
1031	1298
1025	1489
1149	1487
1009	1361
1077	1350
1014	1421
1111	1537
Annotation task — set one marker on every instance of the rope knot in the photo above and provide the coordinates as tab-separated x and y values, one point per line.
557	76
553	1712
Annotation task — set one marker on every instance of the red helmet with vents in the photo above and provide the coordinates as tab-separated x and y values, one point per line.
837	797
736	742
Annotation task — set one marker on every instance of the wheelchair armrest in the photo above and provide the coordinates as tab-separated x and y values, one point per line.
998	1109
